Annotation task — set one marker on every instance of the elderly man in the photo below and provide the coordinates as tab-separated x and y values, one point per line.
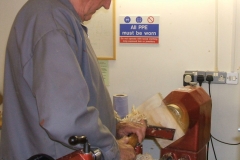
53	88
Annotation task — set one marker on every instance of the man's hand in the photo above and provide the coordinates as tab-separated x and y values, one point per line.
126	128
126	151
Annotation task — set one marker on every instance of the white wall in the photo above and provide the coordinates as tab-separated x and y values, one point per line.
187	42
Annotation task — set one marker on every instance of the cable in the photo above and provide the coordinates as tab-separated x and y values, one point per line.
234	24
213	148
216	35
225	142
200	79
209	79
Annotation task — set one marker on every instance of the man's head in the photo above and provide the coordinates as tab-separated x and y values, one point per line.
86	8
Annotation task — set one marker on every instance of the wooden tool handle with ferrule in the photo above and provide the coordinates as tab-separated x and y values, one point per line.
133	140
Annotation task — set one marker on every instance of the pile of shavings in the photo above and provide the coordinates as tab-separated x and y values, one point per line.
144	156
135	116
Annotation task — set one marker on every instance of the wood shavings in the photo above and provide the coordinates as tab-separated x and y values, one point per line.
135	116
144	156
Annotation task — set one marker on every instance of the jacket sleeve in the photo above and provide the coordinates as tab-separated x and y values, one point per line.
62	95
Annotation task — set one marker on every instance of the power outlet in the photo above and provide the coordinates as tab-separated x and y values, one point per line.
218	77
195	74
187	78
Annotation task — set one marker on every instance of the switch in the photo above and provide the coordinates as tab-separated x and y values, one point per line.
232	78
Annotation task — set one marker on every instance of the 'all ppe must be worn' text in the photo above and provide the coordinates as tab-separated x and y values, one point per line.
139	29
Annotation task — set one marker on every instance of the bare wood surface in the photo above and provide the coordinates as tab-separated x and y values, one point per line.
157	114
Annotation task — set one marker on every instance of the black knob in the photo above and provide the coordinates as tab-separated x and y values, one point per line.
74	140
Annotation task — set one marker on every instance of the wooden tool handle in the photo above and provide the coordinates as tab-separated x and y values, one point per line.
133	140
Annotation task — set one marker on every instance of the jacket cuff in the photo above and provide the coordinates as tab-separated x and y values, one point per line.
112	153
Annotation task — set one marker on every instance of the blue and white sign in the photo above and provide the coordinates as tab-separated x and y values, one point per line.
139	29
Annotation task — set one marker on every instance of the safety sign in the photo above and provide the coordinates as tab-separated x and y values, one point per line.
139	29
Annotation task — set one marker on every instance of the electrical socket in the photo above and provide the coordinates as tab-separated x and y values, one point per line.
218	77
195	74
187	77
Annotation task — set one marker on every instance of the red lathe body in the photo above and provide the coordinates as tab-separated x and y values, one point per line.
198	105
